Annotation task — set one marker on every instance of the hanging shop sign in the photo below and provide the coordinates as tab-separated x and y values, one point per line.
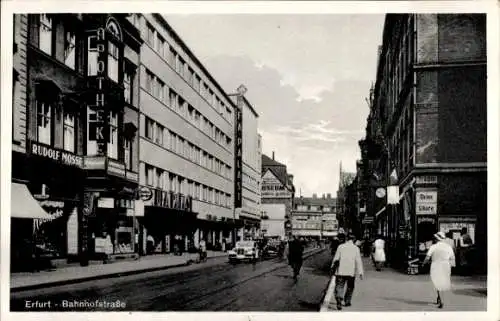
426	202
57	155
238	152
106	202
145	193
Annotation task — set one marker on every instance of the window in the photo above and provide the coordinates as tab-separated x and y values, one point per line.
190	76
160	45
180	105
150	126
113	135
45	34
171	57
173	99
69	132
150	175
197	82
159	134
92	56
159	178
161	90
113	61
166	138
150	82
173	142
128	82
151	36
44	121
69	49
127	148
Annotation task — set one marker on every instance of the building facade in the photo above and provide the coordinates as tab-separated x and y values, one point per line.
187	154
277	187
250	211
72	119
314	217
342	206
273	221
428	123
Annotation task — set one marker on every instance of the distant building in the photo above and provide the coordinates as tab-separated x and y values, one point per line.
277	187
314	216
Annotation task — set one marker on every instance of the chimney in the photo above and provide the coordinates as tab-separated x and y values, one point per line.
273	154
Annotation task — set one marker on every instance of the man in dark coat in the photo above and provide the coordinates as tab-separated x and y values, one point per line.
295	253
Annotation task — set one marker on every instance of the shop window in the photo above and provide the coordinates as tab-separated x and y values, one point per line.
113	135
45	33
44	122
70	49
69	132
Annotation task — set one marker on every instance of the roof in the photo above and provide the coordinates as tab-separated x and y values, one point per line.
267	161
279	173
316	201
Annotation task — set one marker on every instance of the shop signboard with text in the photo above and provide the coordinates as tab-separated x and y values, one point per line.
238	154
273	188
170	200
57	155
426	201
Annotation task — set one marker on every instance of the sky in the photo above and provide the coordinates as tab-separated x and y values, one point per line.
307	76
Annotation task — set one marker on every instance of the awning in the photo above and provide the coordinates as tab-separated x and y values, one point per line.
24	205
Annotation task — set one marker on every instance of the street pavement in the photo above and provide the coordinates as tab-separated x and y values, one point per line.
390	290
214	285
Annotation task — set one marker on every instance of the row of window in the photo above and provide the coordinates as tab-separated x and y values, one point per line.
168	139
179	64
250	181
47	39
309	226
159	178
157	88
312	208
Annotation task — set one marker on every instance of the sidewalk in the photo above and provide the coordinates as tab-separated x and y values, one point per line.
390	290
73	274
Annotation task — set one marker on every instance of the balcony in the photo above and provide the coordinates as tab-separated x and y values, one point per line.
109	166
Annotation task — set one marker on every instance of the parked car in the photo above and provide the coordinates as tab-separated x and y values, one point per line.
244	251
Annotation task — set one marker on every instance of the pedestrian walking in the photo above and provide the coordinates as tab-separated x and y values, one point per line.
346	265
442	259
366	247
295	253
203	250
379	253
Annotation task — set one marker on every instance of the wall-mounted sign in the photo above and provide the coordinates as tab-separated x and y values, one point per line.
57	155
171	200
238	154
98	127
106	202
426	201
426	179
426	219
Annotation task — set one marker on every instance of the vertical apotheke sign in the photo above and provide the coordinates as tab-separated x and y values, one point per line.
238	151
98	130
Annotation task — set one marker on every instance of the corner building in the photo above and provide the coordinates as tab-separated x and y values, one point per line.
186	143
74	136
429	105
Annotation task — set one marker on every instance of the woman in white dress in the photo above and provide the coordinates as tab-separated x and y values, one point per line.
379	253
442	260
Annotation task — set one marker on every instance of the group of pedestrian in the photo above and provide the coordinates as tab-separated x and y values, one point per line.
347	263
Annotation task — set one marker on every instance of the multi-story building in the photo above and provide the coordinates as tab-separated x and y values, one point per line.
308	216
428	122
345	179
187	155
74	156
250	210
277	188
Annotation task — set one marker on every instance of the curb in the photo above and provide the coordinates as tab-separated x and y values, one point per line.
330	292
99	277
117	274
